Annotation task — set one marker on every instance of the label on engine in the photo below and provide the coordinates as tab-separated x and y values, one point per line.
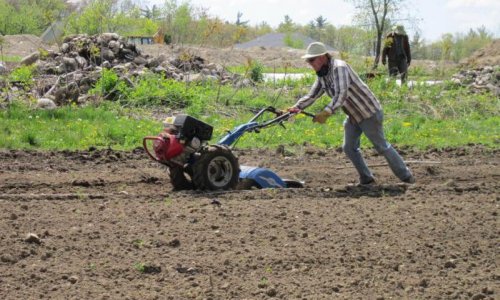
169	121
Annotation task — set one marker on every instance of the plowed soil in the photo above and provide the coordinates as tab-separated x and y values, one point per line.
106	224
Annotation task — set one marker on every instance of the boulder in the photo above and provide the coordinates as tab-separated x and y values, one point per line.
106	64
65	48
155	61
114	46
141	61
82	62
67	94
45	103
69	64
110	36
30	59
107	54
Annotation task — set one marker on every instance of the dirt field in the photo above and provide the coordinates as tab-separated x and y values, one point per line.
108	226
270	57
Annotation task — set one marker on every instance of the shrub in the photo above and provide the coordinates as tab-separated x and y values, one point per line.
22	75
153	89
256	71
108	81
293	43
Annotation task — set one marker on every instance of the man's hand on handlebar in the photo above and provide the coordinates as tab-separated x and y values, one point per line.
294	110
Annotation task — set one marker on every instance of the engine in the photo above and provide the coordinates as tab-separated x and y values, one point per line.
183	135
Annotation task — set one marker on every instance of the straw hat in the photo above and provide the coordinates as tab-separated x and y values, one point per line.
315	49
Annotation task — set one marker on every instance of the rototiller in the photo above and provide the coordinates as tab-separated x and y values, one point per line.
193	163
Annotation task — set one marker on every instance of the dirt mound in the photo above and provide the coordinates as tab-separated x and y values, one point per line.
278	40
270	57
105	224
487	56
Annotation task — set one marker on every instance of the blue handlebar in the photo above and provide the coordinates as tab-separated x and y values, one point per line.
236	133
252	125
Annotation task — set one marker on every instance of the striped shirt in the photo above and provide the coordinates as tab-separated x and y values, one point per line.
347	91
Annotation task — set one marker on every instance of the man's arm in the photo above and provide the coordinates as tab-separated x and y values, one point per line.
315	92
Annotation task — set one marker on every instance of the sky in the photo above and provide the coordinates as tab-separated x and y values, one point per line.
436	16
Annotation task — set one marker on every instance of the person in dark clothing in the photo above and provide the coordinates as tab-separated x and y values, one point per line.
397	49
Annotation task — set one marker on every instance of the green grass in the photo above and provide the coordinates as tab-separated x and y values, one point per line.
417	132
423	116
72	128
22	75
10	58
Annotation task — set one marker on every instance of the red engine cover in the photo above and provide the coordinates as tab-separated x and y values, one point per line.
167	146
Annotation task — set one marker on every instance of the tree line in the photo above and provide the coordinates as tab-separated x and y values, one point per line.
183	23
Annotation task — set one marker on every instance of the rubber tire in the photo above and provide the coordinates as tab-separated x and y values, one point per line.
201	180
179	180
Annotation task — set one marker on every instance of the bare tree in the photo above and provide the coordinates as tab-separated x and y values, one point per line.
239	22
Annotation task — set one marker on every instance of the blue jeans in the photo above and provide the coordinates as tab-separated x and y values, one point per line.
374	131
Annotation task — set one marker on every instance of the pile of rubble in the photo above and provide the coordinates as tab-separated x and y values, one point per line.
66	76
480	79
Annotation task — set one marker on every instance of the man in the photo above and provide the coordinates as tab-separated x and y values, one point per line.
397	48
364	113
